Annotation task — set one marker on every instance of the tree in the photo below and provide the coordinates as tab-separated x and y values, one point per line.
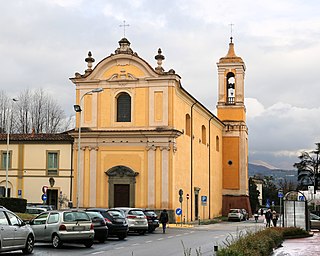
34	111
309	168
269	189
253	195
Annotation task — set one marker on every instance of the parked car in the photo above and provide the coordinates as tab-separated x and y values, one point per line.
99	226
235	214
245	214
15	234
137	220
35	210
57	227
116	221
152	218
314	221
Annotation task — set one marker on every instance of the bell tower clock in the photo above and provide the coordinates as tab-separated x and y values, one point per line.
231	110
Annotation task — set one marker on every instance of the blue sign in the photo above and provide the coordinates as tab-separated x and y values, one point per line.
44	197
178	211
268	203
301	198
280	194
19	192
204	200
272	203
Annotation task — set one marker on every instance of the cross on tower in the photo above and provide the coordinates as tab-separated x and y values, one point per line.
124	28
231	31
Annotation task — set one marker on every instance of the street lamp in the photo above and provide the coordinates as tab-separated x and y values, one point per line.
7	155
77	108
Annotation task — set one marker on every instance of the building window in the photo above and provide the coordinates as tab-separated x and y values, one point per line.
230	88
52	163
3	191
123	107
204	134
217	143
4	159
188	125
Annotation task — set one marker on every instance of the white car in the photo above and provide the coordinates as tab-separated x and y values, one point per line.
137	220
15	234
235	214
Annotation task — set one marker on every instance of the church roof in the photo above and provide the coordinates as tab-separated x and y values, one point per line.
23	137
231	56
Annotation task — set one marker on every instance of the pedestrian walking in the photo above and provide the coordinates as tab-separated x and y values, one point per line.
256	216
268	216
274	218
164	218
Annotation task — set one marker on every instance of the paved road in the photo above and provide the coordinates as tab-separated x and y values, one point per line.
157	244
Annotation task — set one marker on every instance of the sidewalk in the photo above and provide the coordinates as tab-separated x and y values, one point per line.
309	246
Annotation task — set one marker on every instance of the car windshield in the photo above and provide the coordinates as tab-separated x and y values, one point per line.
75	216
136	212
94	215
115	214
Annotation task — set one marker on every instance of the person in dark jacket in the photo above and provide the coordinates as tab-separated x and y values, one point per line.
268	216
164	218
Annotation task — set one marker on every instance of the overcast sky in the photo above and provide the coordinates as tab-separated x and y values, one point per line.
44	42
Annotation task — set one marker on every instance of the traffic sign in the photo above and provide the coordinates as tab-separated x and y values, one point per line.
44	189
178	211
44	197
187	196
204	200
301	198
280	194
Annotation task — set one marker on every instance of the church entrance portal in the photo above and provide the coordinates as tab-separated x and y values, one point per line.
122	182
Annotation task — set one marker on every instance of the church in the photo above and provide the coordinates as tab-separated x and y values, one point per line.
141	140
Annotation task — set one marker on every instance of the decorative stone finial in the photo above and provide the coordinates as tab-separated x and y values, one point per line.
159	57
89	60
124	47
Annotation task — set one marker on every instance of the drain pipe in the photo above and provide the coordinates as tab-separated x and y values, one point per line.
191	161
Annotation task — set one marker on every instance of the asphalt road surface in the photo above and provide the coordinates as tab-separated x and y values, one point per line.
173	243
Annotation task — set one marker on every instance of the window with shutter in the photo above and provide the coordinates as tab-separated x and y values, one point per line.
52	163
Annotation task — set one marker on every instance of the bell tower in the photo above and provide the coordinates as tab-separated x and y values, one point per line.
231	110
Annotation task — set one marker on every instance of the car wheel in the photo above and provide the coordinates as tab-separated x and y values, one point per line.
56	241
122	236
28	249
88	243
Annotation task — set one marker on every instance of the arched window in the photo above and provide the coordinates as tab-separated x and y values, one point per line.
188	125
230	88
217	143
204	134
123	107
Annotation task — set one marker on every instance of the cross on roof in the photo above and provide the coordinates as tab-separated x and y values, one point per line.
231	31
124	27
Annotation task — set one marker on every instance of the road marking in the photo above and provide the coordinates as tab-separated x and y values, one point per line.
186	233
179	235
94	253
149	241
135	244
118	248
160	239
170	236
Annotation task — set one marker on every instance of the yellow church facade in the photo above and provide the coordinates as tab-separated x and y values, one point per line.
144	138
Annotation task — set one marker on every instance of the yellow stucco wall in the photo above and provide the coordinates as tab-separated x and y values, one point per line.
231	169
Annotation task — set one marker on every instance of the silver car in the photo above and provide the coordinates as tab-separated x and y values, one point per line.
57	227
14	233
137	220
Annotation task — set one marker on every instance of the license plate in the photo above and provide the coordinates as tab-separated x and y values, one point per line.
78	228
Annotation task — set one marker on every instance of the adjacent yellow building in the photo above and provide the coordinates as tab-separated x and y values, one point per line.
144	138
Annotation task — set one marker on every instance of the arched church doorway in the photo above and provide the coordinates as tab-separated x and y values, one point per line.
122	182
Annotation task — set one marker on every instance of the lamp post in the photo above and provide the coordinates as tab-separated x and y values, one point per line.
77	108
7	155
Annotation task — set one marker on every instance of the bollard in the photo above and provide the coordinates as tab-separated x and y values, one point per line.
215	250
199	220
